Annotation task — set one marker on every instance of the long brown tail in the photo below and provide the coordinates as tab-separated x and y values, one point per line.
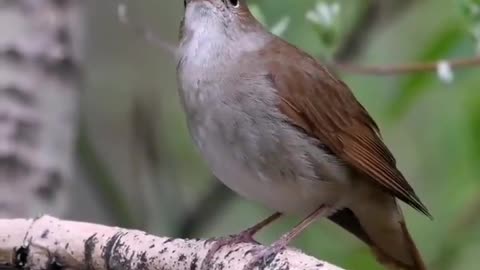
379	223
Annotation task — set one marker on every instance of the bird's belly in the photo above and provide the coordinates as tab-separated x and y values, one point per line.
276	180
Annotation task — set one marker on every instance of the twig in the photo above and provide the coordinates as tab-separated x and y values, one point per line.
58	244
406	68
356	40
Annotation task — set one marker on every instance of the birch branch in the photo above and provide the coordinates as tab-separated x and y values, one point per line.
50	243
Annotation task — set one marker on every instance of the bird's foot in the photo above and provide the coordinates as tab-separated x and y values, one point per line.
263	256
220	242
243	237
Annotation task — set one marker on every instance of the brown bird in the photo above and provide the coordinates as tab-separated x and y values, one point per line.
278	128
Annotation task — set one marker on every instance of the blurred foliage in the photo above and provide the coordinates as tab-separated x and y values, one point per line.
432	128
471	13
325	18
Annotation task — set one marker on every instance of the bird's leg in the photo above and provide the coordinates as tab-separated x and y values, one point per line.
265	255
245	236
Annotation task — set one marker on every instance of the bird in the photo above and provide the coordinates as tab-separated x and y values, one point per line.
276	126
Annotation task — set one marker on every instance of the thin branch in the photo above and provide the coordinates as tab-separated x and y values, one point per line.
407	68
58	244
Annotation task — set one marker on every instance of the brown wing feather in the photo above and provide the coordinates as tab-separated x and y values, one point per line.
323	106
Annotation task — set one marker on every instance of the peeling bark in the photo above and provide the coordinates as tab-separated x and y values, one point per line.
49	243
39	85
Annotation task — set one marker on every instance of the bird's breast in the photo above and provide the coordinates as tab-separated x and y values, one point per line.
250	148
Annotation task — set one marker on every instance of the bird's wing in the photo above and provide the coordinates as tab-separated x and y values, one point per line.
325	108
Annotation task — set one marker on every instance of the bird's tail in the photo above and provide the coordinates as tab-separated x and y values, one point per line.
379	222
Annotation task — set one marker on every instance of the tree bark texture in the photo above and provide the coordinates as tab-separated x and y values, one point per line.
49	243
39	87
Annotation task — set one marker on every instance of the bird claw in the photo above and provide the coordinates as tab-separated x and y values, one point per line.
220	242
263	256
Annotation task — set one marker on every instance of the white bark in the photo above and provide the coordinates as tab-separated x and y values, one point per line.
74	245
39	85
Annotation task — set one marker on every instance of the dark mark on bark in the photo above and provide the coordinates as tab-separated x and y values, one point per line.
21	256
193	265
13	166
284	266
62	3
213	239
88	249
113	254
182	258
142	261
319	265
11	54
63	36
152	259
168	240
270	259
163	250
44	234
19	94
152	246
228	254
250	251
55	265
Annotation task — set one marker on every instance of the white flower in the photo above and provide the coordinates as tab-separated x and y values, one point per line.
324	13
445	72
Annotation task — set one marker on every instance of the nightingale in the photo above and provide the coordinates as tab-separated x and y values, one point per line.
275	126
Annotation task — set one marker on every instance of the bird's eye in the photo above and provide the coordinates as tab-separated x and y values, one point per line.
233	3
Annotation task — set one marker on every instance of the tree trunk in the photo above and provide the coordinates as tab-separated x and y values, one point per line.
39	89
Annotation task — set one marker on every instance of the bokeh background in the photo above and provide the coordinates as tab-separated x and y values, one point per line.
136	166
